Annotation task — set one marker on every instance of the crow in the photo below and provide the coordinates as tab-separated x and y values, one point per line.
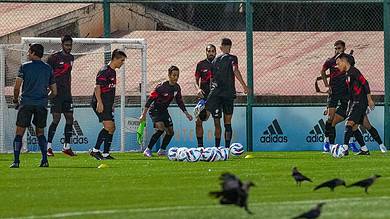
233	191
312	214
331	184
365	183
299	178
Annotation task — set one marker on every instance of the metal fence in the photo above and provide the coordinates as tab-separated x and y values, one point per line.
281	45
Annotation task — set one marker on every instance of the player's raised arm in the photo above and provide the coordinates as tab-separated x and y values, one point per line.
238	75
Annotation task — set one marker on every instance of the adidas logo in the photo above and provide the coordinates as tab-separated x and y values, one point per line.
77	135
317	133
366	135
273	134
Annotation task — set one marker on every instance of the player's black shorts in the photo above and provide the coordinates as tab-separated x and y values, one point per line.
333	102
218	104
107	114
61	105
356	112
161	116
203	115
38	114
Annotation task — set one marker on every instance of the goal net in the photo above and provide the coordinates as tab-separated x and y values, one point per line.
90	55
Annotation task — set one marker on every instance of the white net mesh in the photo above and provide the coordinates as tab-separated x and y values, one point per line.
89	58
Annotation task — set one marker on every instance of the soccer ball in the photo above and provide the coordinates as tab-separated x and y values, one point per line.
181	154
224	153
236	149
193	154
208	155
338	150
172	153
218	155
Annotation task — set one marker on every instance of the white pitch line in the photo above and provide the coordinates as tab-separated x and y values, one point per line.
136	210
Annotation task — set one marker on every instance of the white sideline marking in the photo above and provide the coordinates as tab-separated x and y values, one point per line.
135	210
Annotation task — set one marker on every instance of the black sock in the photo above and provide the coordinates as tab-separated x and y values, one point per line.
217	142
332	135
107	143
200	141
100	139
374	134
228	134
348	133
166	140
51	132
43	146
68	132
328	126
17	147
154	138
359	137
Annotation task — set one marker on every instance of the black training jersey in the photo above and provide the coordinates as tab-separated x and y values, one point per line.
357	85
337	78
162	96
106	78
224	78
204	72
62	67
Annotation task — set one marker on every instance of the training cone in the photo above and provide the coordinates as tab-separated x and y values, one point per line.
249	156
103	166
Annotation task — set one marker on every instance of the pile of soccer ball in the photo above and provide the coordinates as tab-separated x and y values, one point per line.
338	150
210	154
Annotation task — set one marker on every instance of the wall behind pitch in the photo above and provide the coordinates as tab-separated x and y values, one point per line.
300	128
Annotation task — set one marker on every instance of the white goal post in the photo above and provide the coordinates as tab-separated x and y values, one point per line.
90	55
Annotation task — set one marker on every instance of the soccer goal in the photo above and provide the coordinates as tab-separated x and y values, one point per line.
90	55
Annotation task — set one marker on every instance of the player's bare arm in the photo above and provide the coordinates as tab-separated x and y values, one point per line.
100	106
18	84
238	75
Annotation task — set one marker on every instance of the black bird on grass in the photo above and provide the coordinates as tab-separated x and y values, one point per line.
299	177
331	184
365	183
312	214
233	191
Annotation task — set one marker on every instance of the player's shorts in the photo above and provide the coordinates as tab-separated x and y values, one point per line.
61	105
107	114
38	114
218	104
342	108
203	115
356	112
161	116
334	99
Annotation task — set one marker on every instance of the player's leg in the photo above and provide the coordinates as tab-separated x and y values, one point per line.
203	116
340	115
359	137
159	128
228	107
355	117
39	120
218	131
95	151
109	126
68	113
332	103
214	106
374	133
167	137
23	120
52	130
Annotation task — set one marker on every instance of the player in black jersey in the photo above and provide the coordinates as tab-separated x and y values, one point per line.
359	99
223	91
62	62
157	105
103	103
203	77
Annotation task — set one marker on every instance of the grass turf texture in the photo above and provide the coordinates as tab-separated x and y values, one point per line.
135	187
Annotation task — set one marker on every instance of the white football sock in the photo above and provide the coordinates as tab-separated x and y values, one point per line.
351	140
66	146
95	150
105	154
48	145
326	140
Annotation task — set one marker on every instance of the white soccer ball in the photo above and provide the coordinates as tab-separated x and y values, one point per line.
338	150
224	153
193	154
236	149
181	154
218	155
208	155
172	153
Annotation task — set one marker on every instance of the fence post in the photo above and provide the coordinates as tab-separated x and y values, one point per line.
249	63
386	28
107	28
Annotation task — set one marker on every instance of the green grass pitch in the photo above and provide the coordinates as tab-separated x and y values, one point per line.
135	187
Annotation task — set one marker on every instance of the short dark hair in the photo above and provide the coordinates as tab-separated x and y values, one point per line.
37	49
347	57
117	53
210	46
66	38
172	68
339	42
226	42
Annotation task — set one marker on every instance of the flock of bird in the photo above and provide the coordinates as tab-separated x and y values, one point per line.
236	192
